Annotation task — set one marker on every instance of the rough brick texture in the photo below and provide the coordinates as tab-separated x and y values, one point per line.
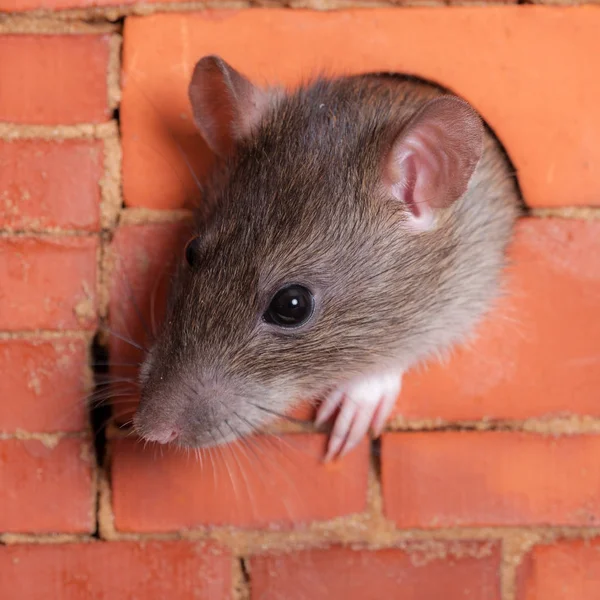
484	55
55	79
46	487
421	571
537	353
47	184
267	482
47	283
50	5
458	479
43	385
142	258
563	571
150	570
484	487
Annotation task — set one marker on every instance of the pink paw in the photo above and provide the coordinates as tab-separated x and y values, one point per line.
364	403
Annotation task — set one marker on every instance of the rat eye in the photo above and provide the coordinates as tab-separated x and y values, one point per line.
291	306
191	251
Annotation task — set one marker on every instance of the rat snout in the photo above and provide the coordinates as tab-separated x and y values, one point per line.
198	413
162	434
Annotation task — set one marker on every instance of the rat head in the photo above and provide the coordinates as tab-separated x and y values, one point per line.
308	268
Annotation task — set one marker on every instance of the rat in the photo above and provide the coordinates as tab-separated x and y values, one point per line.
351	229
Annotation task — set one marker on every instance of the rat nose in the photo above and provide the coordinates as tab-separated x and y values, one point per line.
162	435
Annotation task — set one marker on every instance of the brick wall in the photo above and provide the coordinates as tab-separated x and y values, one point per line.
486	483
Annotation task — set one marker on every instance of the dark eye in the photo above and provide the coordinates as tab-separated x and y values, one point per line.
191	251
291	306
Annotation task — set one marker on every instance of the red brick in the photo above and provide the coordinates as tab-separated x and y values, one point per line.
166	489
487	56
421	571
538	353
43	385
54	79
46	488
47	283
144	257
562	571
50	184
148	570
461	479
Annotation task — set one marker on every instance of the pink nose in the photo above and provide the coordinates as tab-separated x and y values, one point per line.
162	436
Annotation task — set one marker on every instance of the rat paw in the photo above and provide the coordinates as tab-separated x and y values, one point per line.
363	403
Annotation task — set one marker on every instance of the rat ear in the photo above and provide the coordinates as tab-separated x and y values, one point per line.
226	106
431	162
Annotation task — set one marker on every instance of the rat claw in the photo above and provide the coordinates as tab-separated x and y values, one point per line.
360	427
382	413
386	405
341	428
328	406
365	403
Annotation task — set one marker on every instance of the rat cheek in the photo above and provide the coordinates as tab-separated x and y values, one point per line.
146	368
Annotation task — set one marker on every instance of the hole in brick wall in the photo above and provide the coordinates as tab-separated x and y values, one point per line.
376	456
116	116
245	582
415	78
100	412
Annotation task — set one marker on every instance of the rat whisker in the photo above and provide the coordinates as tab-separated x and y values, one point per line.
134	303
268	438
242	472
115	364
278	414
107	379
221	449
173	139
110	420
124	338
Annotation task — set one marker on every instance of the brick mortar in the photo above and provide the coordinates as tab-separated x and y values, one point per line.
51	440
550	427
370	530
46	334
245	543
71	20
46	23
556	428
83	131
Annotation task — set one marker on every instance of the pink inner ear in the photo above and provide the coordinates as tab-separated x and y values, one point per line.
432	161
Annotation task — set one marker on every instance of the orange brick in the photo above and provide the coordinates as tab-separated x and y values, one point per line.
50	184
148	570
43	385
166	489
46	488
144	257
461	479
549	122
538	353
54	79
562	571
47	283
421	571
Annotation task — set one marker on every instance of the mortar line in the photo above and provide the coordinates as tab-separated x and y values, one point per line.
50	439
47	334
83	131
245	543
565	427
48	22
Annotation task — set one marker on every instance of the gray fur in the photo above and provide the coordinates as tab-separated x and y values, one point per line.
301	201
